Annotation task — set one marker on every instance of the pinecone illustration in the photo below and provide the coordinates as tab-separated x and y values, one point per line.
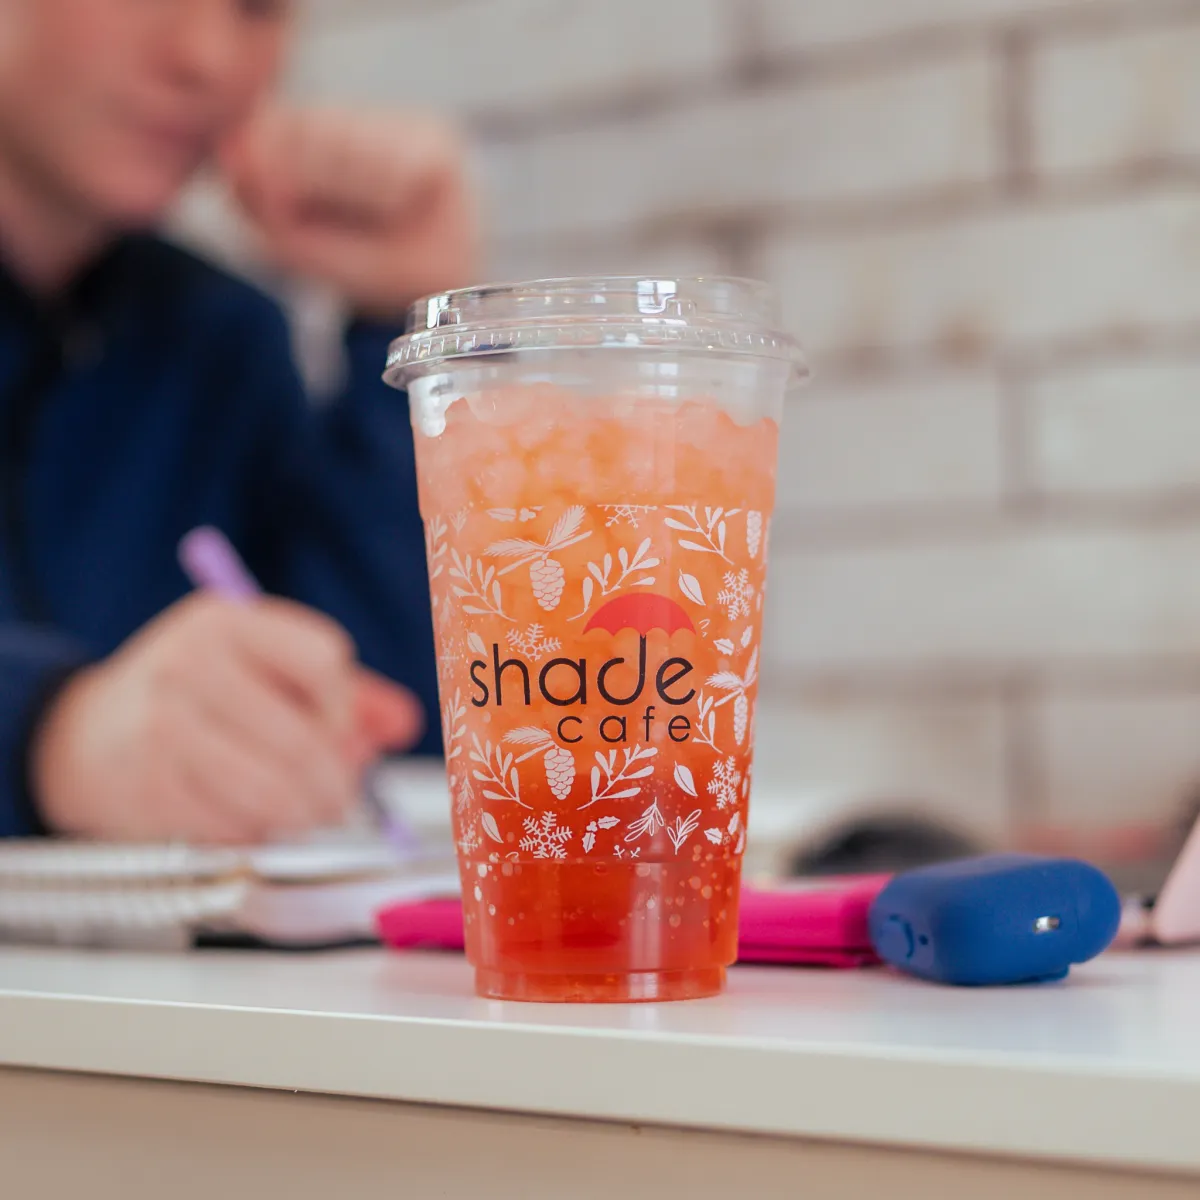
754	529
549	579
735	686
545	573
560	771
741	717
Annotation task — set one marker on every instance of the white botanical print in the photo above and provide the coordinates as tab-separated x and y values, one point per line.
647	825
610	782
626	514
754	532
723	786
735	687
594	827
682	829
558	761
479	585
546	573
435	547
633	573
544	838
496	771
737	594
533	642
705	535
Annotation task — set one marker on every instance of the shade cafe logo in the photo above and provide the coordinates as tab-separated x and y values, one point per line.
635	693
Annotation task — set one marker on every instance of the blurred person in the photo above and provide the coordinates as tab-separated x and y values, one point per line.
143	392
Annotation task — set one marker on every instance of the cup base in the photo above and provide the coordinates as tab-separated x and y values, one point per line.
637	987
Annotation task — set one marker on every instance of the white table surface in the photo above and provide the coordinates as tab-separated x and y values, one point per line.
1103	1068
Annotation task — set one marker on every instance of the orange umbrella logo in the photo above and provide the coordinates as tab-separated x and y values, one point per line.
641	612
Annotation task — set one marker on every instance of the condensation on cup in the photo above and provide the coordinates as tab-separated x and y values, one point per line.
597	460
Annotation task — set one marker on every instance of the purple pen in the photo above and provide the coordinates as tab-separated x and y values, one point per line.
211	563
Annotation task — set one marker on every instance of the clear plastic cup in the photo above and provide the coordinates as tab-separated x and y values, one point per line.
596	460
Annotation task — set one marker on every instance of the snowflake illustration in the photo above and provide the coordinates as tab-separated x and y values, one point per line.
725	781
626	514
533	643
737	594
545	838
469	842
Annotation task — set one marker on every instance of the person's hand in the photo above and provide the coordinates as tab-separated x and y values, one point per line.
376	206
219	723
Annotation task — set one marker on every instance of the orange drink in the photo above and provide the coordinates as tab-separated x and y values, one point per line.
596	461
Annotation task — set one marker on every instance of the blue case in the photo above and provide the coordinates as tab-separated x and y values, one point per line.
999	919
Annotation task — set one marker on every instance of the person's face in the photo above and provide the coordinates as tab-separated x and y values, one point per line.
116	103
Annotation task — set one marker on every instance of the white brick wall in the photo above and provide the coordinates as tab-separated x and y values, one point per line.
990	245
1110	759
1116	429
992	601
1004	280
928	440
912	130
610	253
480	57
806	24
947	756
1118	100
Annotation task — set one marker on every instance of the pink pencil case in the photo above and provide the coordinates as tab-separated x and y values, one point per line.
814	923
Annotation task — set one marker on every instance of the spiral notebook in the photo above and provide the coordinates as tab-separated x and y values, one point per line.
321	893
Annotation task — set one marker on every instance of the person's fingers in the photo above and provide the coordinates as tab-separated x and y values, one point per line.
248	795
390	717
304	650
172	808
287	736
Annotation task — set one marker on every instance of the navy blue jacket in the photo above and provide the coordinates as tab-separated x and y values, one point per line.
159	395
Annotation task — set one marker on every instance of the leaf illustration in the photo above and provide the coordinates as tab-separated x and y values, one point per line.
689	585
476	643
490	827
624	795
724	645
650	822
589	841
747	636
685	779
608	822
683	829
696	546
734	821
674	524
502	514
595	780
512	547
566	526
589	589
727	681
528	735
713	835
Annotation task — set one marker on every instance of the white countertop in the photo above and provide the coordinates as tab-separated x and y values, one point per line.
1105	1067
